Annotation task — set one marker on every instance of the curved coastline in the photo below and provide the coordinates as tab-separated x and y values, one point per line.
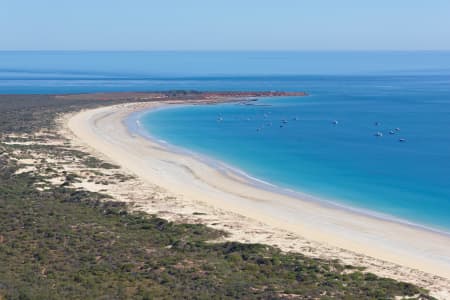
233	172
104	130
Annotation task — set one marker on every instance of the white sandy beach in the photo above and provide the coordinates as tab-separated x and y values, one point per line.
388	248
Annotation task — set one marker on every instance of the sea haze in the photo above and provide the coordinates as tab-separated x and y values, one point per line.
365	92
82	72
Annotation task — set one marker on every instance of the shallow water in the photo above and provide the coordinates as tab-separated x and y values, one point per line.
344	162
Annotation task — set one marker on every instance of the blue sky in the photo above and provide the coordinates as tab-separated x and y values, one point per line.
224	25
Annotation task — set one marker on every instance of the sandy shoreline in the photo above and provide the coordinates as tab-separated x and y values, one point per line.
387	248
131	121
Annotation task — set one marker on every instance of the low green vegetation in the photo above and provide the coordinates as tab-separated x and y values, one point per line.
93	162
66	243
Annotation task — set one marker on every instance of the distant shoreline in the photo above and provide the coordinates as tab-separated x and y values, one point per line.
201	97
184	177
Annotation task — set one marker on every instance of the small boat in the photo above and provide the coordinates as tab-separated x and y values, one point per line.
402	140
392	132
284	121
379	134
397	129
335	122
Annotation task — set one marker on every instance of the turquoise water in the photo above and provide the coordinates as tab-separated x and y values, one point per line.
344	163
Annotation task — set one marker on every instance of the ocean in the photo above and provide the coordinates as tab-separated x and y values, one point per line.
374	133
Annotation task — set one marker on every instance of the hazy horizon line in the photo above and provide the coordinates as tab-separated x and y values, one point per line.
224	50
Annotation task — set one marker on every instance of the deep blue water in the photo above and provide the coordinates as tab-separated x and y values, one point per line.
345	163
82	72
